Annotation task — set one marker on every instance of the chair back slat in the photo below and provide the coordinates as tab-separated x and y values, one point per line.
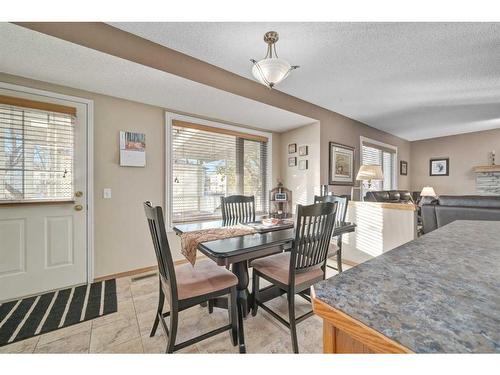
237	209
313	231
342	203
154	216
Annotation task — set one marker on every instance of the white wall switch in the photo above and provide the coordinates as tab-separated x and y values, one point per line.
106	194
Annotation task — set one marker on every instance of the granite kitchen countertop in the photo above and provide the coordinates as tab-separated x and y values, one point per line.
437	294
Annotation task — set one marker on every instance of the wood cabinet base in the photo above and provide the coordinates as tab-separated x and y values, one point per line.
337	341
344	334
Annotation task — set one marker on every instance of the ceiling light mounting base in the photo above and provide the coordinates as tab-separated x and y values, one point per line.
271	37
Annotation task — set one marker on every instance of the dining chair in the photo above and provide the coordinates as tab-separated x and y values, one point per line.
296	270
185	286
237	209
342	203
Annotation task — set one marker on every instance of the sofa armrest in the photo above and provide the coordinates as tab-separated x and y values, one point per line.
429	220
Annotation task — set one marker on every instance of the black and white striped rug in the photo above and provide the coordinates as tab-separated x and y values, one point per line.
47	312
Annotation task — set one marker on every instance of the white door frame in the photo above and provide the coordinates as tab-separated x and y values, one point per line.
89	105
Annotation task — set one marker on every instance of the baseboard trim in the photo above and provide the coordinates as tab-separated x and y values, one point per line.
126	273
138	271
350	262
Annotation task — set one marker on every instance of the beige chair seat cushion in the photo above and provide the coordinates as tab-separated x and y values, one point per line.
202	278
277	267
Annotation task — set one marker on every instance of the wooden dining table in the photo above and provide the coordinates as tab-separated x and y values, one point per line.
236	252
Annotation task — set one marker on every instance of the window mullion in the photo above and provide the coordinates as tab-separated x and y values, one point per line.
263	164
240	165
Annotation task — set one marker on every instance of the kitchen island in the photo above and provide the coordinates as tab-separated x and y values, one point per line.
437	294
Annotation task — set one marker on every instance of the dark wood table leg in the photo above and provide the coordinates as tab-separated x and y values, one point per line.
240	269
220	302
241	332
269	292
339	254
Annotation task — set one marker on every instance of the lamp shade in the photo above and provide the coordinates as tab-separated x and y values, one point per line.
271	71
427	191
370	172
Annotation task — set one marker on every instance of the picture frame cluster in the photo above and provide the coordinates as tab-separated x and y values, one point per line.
302	151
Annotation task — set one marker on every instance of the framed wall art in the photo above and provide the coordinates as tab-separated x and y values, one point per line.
439	167
341	164
403	168
292	161
292	148
132	149
303	150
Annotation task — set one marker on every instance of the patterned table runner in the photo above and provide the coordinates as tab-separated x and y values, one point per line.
190	240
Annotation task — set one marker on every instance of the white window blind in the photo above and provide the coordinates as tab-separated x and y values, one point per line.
373	154
208	163
36	152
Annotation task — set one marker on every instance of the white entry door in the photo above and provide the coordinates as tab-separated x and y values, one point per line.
43	195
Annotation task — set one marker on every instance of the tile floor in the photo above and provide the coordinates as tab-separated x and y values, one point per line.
127	331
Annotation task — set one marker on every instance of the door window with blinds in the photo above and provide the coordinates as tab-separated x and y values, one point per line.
375	154
36	151
210	162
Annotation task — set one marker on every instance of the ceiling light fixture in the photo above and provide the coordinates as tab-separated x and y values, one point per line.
271	70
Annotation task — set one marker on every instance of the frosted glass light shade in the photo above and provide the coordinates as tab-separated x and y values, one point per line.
271	71
427	191
370	172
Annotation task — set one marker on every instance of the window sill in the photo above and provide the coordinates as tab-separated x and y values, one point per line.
41	201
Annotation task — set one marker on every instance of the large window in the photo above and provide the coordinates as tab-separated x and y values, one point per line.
210	162
383	155
36	151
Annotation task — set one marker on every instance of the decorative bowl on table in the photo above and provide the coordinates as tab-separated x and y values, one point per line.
270	221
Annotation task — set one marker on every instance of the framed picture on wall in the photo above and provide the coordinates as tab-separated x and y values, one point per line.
403	168
303	151
292	148
303	164
439	167
132	149
292	161
341	164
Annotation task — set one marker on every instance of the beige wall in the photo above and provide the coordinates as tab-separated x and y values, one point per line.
122	241
303	183
344	131
348	132
465	152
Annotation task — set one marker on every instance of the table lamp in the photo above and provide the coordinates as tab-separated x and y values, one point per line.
369	173
427	191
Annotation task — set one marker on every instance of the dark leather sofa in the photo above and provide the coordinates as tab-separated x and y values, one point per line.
389	196
448	208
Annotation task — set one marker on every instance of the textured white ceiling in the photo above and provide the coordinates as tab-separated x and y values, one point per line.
38	56
414	80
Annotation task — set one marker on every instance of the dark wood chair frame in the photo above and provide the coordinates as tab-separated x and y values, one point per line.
237	209
342	202
313	232
168	289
